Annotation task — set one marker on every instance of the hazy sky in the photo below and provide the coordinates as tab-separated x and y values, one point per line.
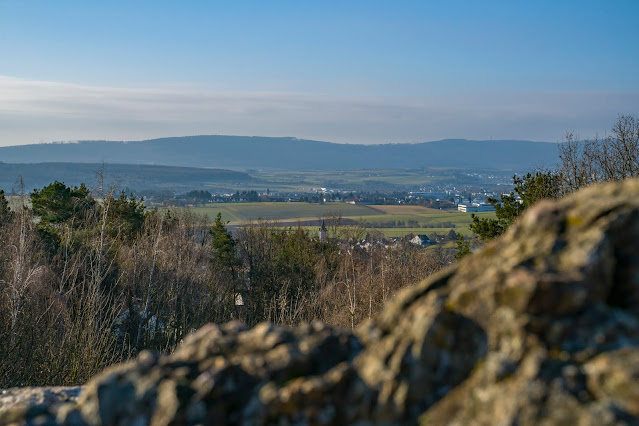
344	71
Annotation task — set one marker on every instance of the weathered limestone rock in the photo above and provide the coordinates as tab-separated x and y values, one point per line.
32	402
540	327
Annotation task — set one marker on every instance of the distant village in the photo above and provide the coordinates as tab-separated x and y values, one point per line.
463	201
466	201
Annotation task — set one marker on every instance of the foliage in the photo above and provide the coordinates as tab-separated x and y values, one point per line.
529	189
487	229
126	215
463	247
198	196
57	204
222	243
5	212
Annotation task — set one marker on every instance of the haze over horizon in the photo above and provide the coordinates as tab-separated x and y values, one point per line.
362	72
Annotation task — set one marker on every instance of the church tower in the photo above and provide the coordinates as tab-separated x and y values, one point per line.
322	232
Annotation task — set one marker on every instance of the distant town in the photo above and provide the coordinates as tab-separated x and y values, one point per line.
465	202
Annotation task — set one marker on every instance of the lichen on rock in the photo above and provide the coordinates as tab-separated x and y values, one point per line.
540	327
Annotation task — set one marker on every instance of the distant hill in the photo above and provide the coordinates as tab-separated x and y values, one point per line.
139	177
245	152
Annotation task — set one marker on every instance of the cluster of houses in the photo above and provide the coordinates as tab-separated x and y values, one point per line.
418	240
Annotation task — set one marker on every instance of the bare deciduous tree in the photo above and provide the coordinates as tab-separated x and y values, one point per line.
24	266
614	157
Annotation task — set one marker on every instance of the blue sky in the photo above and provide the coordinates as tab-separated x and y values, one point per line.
343	71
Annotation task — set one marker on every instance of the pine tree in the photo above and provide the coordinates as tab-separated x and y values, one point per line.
5	212
222	244
529	189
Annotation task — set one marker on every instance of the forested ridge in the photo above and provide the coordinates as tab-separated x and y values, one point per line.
137	176
271	153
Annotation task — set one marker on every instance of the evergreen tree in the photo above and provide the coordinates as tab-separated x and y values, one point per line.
529	189
463	247
224	260
57	204
222	243
5	212
126	215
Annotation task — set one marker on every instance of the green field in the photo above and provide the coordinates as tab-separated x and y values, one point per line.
237	213
416	219
426	220
304	181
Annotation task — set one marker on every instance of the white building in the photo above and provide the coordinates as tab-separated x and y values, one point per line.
467	208
475	208
484	207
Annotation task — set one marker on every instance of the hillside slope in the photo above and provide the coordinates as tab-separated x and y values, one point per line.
37	175
244	152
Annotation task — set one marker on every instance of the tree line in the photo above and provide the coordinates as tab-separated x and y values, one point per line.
89	278
582	162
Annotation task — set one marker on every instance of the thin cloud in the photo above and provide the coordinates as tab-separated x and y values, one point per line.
42	111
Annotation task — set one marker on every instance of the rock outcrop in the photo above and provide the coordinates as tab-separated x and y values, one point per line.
540	327
31	402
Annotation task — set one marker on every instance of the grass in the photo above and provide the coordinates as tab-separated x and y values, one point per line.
237	213
303	181
427	220
411	210
381	218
